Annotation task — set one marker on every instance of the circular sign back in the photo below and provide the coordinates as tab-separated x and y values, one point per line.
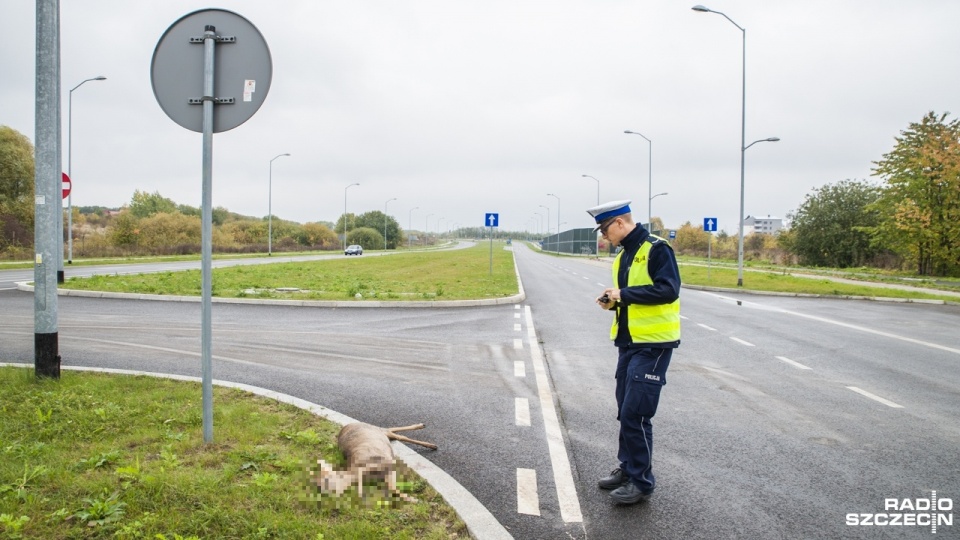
242	70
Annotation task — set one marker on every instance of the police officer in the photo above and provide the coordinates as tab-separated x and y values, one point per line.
646	330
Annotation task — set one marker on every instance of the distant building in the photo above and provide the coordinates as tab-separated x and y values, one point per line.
761	225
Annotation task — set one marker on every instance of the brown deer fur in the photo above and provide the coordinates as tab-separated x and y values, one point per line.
367	451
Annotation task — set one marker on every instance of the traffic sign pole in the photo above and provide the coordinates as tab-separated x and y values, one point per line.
709	225
177	70
491	220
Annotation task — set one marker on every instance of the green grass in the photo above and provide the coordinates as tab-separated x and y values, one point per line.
433	275
726	277
112	456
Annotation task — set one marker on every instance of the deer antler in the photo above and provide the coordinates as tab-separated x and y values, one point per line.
394	436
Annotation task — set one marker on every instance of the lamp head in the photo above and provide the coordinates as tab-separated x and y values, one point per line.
701	9
100	78
773	139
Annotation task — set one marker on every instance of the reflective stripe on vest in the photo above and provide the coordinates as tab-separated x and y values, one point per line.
647	324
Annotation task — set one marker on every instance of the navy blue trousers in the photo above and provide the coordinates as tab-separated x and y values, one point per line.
641	374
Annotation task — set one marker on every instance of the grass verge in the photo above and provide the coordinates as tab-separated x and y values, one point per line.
112	456
437	275
780	282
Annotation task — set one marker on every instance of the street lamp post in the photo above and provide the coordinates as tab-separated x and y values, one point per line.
740	232
649	174
652	198
743	132
598	204
385	222
598	186
547	223
410	226
270	209
558	214
426	227
69	167
344	245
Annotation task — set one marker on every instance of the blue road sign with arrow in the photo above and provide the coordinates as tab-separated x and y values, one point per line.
491	220
710	224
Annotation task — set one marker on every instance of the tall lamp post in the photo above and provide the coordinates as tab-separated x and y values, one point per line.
270	209
598	186
597	247
743	132
740	233
426	227
385	222
69	167
558	214
344	245
649	173
410	226
547	223
652	198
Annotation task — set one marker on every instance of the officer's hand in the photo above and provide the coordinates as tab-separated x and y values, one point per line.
609	298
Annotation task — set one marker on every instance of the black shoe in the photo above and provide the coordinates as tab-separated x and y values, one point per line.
615	480
629	493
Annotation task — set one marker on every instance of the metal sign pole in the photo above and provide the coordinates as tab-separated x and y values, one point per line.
176	72
206	232
48	209
491	251
709	245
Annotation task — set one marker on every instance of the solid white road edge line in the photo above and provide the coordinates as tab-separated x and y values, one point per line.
562	474
527	500
886	402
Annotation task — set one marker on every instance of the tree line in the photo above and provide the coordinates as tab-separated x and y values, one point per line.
906	218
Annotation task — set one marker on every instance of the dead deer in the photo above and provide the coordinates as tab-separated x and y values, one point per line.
368	453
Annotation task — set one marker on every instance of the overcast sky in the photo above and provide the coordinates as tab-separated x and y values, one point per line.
463	107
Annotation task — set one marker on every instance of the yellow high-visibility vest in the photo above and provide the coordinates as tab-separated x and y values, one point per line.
647	323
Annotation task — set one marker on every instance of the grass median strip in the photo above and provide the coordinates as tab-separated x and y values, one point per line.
780	282
112	456
438	275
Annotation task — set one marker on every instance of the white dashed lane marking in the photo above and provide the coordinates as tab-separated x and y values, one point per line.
519	370
517	343
797	365
742	342
527	500
886	402
522	414
707	327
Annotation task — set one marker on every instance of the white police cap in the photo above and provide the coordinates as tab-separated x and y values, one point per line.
608	210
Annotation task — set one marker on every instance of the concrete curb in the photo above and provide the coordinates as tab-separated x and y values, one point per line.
480	522
513	299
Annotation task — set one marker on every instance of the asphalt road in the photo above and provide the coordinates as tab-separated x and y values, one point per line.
758	435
